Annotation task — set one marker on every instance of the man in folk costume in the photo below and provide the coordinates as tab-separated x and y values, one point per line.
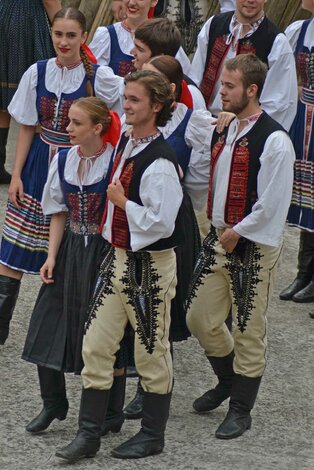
247	30
137	278
250	185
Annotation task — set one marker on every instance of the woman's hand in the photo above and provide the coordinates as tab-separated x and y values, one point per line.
46	271
16	192
223	120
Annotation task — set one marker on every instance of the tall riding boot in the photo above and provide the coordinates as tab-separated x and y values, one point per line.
223	368
134	409
9	291
115	418
92	415
150	439
5	177
238	419
53	394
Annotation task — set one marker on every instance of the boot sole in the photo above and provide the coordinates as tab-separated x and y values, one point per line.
118	456
39	431
86	456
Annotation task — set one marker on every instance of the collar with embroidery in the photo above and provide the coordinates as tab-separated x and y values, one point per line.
252	118
97	154
126	27
144	140
236	28
69	67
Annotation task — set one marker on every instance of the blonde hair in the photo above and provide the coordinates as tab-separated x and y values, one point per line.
97	111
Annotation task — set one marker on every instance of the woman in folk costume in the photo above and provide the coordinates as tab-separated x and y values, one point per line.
112	44
301	213
44	96
24	38
75	190
137	278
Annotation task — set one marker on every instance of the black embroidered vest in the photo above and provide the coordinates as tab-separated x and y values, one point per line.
245	165
260	43
130	178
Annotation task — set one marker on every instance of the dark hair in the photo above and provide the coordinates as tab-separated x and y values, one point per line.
253	70
97	111
171	68
74	14
161	35
159	91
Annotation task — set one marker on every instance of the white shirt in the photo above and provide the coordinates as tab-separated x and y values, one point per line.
227	5
265	224
101	46
196	137
52	199
293	31
61	80
280	93
156	218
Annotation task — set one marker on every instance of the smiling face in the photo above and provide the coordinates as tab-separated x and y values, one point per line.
137	10
67	38
248	11
141	53
140	112
81	130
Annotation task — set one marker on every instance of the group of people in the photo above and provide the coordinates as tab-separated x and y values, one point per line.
151	195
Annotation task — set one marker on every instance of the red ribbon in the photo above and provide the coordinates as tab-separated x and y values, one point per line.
151	12
112	134
186	97
89	54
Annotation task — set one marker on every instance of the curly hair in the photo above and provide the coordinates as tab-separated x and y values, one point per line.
159	91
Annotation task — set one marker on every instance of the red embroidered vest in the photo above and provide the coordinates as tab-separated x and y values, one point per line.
259	43
245	165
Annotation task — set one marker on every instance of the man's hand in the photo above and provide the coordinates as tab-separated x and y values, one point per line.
115	194
229	239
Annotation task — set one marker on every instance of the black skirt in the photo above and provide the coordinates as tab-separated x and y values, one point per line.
25	39
56	328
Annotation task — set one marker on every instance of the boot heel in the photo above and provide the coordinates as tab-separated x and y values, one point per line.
116	428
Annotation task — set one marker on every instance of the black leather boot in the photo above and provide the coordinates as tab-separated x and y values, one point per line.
305	295
238	419
92	415
53	393
115	416
134	409
305	267
5	177
223	368
150	439
9	291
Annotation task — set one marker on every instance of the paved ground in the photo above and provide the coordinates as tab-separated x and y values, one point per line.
282	434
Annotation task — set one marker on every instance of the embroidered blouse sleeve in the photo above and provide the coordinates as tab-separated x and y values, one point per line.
280	93
108	86
100	45
265	224
23	104
198	135
292	33
184	61
199	59
52	200
156	218
227	5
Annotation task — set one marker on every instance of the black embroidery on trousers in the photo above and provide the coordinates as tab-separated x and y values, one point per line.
140	280
103	286
243	266
203	267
